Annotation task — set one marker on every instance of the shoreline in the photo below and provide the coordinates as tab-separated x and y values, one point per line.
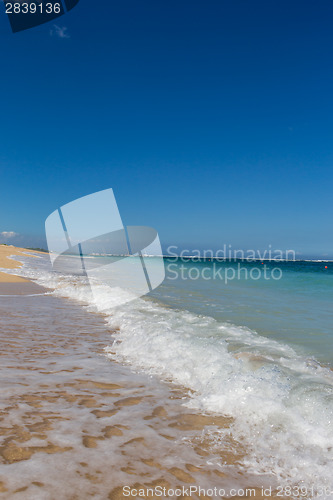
7	262
69	403
11	284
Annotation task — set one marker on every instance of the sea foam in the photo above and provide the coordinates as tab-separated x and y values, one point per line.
281	401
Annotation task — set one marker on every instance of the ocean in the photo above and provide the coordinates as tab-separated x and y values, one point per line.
249	341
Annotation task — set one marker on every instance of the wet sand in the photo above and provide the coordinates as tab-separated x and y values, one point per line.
7	251
74	424
11	284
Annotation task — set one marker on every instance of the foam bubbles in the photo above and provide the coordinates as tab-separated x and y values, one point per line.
282	402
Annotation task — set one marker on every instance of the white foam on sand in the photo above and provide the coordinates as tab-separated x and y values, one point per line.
282	403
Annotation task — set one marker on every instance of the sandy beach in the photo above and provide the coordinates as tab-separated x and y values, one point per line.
6	262
75	425
9	283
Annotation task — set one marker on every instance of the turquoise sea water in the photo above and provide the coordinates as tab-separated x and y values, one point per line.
249	340
291	301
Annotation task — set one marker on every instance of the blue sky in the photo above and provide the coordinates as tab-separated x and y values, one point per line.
212	121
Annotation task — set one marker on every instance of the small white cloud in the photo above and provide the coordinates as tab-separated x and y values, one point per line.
8	234
59	31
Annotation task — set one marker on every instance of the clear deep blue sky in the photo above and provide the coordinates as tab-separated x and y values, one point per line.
211	120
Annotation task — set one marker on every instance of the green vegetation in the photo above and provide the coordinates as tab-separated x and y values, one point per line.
38	249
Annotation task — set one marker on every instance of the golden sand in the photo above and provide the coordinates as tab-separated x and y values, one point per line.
5	262
32	416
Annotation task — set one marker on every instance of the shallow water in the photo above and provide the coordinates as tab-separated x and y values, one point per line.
75	425
264	376
296	309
